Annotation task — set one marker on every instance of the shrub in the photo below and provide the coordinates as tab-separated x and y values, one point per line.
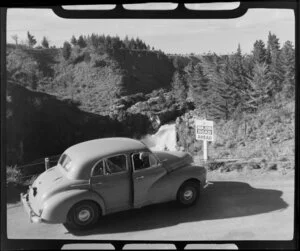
272	167
78	59
228	167
100	63
13	175
215	165
252	165
230	144
87	57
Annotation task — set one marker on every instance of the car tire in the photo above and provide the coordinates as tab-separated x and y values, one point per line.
188	194
83	215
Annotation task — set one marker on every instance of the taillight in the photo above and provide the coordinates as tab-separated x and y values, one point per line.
34	191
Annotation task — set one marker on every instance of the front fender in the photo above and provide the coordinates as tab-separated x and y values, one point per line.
189	172
56	208
166	188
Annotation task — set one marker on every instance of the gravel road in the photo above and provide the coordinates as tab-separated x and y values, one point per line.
250	205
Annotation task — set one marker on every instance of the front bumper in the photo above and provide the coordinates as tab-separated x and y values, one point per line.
207	183
33	217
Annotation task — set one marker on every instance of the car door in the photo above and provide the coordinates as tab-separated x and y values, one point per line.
144	176
111	179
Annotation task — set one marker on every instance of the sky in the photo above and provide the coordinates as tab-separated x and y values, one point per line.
171	36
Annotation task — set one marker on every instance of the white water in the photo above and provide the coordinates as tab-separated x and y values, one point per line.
164	138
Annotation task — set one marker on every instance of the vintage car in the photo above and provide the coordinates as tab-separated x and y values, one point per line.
103	176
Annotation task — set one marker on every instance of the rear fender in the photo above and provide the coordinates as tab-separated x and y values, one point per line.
56	208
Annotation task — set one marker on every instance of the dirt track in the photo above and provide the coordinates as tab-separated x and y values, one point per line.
236	206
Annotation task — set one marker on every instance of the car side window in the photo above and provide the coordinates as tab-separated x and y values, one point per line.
116	164
99	168
143	160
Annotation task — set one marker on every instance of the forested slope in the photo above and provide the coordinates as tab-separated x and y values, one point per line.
127	86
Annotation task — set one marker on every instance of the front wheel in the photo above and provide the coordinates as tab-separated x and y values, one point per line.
83	215
188	194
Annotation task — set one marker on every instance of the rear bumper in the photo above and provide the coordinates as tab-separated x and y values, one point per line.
33	217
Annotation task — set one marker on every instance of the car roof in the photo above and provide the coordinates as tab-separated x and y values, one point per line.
103	147
88	152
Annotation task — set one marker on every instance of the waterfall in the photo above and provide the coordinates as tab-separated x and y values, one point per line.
163	139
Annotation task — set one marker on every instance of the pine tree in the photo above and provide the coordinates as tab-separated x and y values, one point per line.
259	51
132	44
260	87
216	103
219	98
273	59
248	63
116	43
235	76
31	40
237	66
179	85
15	38
81	42
198	86
45	42
287	57
108	42
66	51
272	47
126	42
93	41
73	41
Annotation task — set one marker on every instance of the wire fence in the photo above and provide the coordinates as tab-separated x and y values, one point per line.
52	159
239	159
197	159
37	166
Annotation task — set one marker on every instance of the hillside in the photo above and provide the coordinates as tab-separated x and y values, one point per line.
93	79
126	88
266	140
35	130
106	86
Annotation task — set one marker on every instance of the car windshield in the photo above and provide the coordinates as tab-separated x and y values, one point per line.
65	162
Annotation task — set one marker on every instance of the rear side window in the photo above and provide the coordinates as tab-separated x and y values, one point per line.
99	168
65	161
116	164
112	165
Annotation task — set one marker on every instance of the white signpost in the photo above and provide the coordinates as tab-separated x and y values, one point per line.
204	130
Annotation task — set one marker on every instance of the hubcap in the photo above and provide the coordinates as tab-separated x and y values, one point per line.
188	194
84	215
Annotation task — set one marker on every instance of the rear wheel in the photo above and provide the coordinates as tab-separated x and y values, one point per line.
83	215
188	194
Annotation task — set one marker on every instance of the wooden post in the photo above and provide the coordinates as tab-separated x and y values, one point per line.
205	146
47	163
205	150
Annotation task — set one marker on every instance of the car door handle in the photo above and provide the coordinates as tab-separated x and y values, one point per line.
139	178
98	183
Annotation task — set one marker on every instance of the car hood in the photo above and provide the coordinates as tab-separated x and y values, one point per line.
173	160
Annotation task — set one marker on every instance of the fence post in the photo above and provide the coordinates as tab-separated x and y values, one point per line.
46	163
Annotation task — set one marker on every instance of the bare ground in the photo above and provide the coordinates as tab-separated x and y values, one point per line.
247	205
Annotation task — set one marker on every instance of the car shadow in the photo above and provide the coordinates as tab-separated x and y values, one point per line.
219	200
